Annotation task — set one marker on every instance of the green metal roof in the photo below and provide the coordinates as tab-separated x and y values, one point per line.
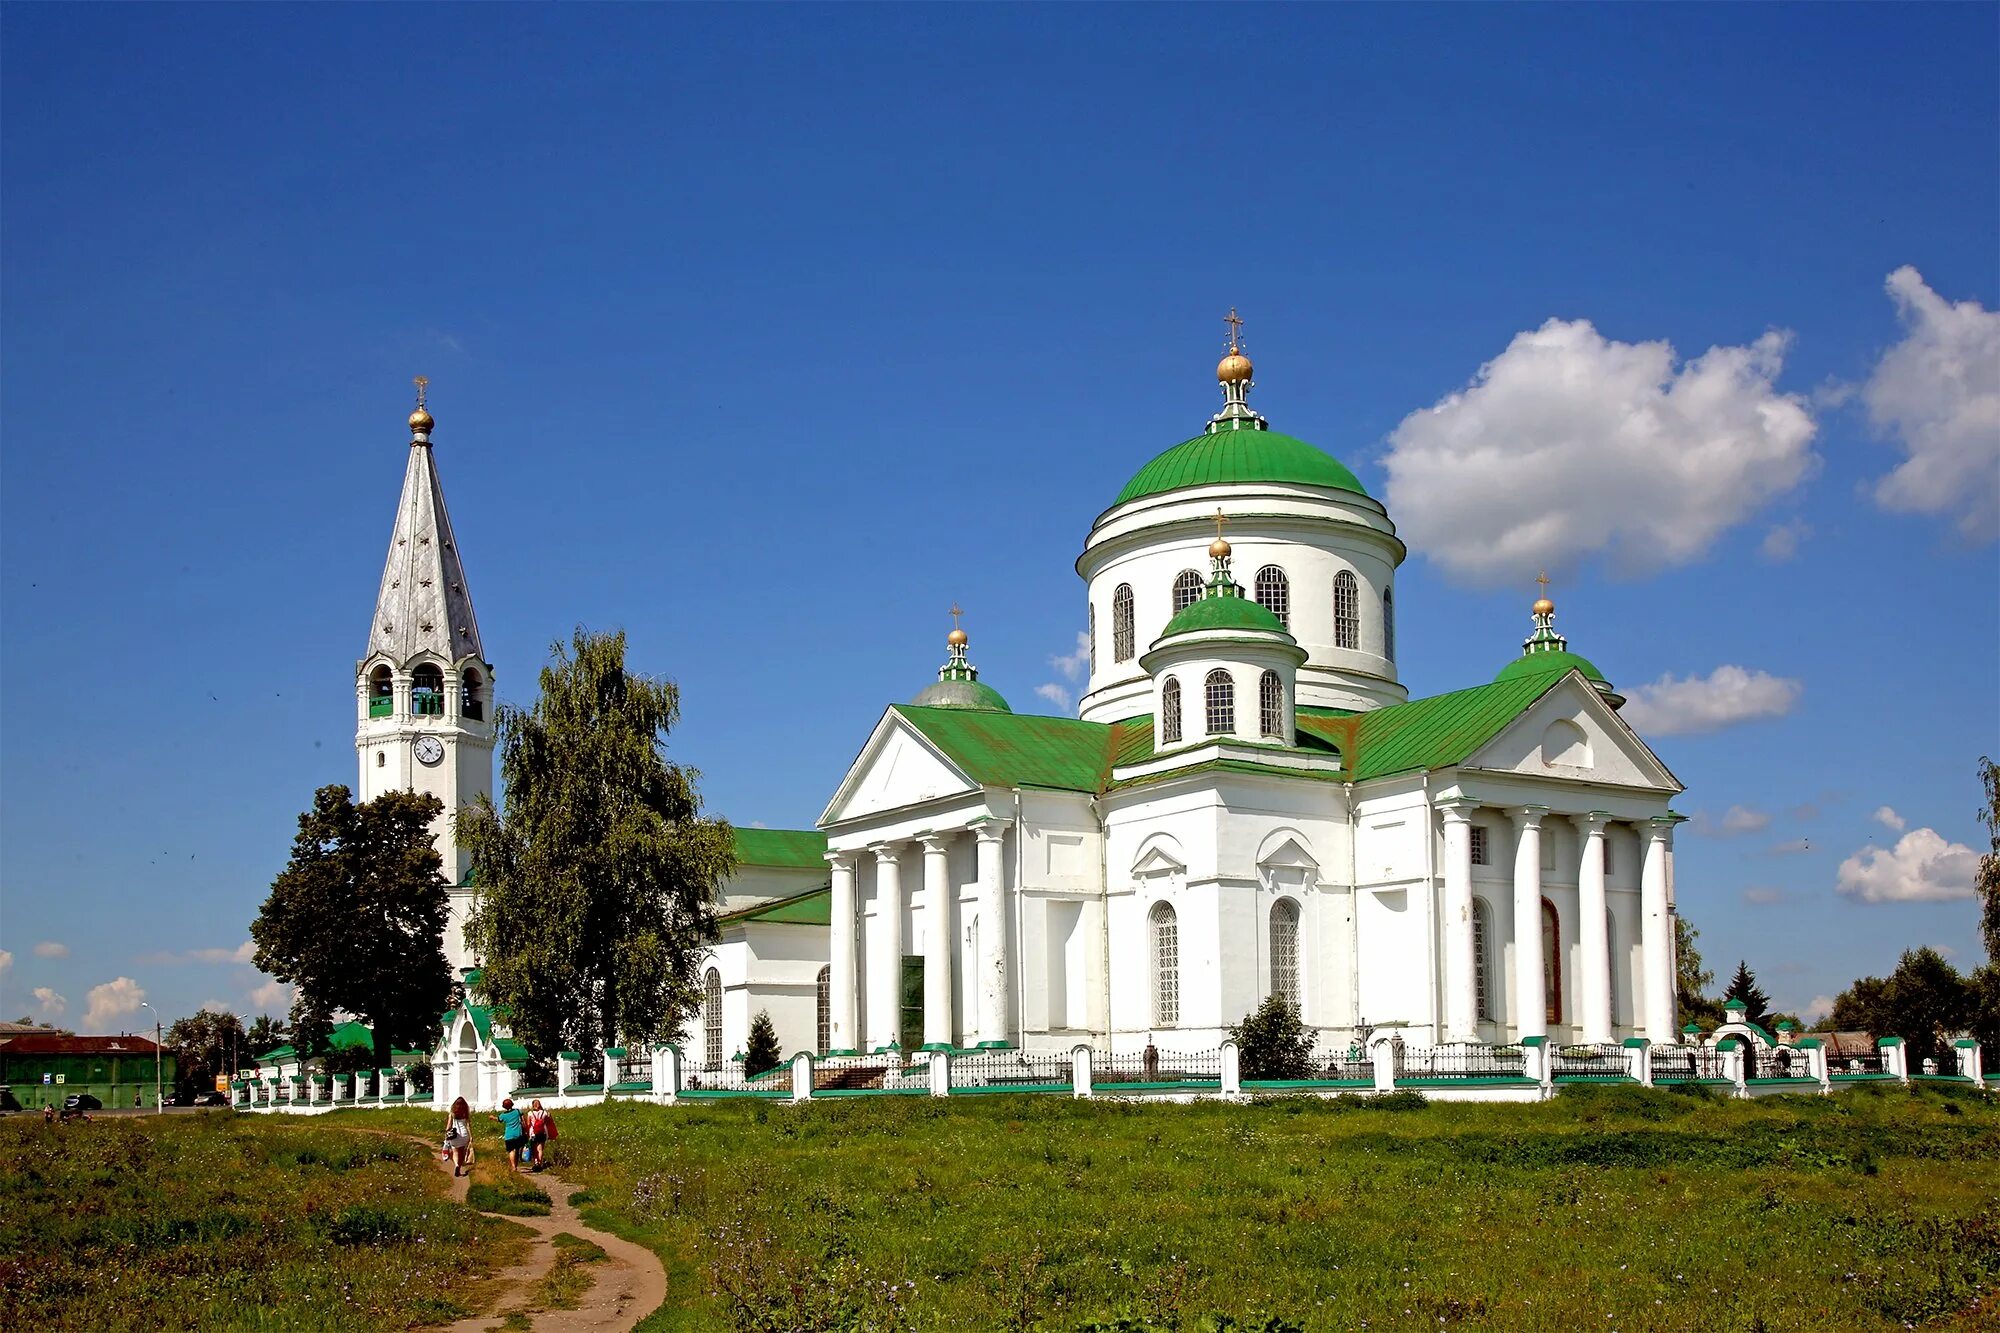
961	694
804	909
1018	749
1212	613
1423	734
346	1036
1226	456
1541	664
794	849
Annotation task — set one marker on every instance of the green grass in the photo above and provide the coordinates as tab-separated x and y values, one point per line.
1609	1208
230	1222
515	1198
566	1281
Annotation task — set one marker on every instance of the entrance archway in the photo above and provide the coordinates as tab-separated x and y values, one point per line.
465	1063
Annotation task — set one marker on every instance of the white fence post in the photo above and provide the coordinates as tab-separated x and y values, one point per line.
1536	1063
1967	1051
1895	1057
802	1077
1816	1062
667	1072
565	1071
1731	1049
1232	1069
938	1072
1079	1071
1385	1051
1639	1061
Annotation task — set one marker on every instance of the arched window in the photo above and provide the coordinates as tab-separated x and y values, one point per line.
1090	640
1121	623
1271	705
1346	611
1274	593
427	691
473	702
1166	966
1170	711
711	1022
1285	951
1388	624
1187	590
381	691
1482	962
1552	971
1221	703
823	1027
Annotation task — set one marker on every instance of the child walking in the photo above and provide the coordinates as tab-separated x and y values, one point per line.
458	1135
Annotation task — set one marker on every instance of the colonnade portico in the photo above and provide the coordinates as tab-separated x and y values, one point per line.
851	1032
1593	1012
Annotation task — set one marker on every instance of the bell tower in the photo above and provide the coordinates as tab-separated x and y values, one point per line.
424	689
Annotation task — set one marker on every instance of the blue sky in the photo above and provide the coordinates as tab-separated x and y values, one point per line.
768	333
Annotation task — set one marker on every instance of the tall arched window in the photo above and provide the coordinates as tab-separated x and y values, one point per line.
1187	590
1346	611
1285	950
1552	970
1170	711
1482	962
1166	966
1221	691
823	1027
1274	593
1271	705
1121	623
711	1022
1090	640
1388	624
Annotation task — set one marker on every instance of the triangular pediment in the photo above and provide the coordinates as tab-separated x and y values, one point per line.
898	767
1573	732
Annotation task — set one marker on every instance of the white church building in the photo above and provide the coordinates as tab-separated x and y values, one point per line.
1247	803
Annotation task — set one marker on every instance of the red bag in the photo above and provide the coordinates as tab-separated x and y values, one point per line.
549	1120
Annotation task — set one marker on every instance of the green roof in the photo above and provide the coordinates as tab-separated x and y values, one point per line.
1423	734
344	1037
961	694
795	849
1212	613
804	909
1018	749
1226	456
1541	664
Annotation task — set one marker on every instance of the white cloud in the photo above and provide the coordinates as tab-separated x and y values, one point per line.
51	949
1054	693
1818	1007
214	1007
1938	393
1781	543
1540	460
1763	895
6	962
1072	665
242	953
1921	868
1888	818
1736	820
1796	847
50	1004
273	997
1678	706
113	1000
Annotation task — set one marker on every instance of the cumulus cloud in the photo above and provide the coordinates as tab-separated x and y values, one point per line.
1921	868
1763	895
1537	462
1735	821
112	1001
242	953
1781	543
1888	818
273	997
1818	1007
1071	666
214	1007
51	949
6	962
1054	693
1937	393
1795	847
48	1003
1679	706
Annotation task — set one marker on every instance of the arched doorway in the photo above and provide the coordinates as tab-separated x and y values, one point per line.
465	1063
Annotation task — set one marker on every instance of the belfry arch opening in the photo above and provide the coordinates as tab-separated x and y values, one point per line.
473	701
381	691
427	691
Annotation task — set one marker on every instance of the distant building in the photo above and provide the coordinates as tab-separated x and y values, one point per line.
44	1067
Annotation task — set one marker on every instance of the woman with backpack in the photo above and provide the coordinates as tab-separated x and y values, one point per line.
541	1131
458	1135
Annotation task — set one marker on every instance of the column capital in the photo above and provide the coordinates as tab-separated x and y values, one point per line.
1529	816
936	841
1592	823
1660	827
843	859
1456	809
989	830
886	853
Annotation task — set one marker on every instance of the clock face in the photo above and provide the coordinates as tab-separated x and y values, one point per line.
429	749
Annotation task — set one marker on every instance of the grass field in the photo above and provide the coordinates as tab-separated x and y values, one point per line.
1611	1208
220	1221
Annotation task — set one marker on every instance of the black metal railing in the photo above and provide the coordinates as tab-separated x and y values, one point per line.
1021	1070
1781	1062
1856	1066
635	1069
1591	1060
729	1076
1154	1065
588	1073
1464	1060
1687	1064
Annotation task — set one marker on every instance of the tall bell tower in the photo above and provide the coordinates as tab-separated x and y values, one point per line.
424	690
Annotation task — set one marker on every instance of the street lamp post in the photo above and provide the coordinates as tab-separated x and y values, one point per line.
157	1080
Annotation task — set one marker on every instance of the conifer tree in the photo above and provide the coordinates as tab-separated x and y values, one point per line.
763	1052
1743	986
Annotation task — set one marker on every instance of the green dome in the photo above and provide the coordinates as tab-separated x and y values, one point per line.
1213	613
1226	456
961	694
1536	664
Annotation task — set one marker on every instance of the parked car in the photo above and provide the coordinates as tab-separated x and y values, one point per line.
79	1105
212	1099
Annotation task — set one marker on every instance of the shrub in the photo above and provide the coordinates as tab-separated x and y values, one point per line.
762	1053
1273	1042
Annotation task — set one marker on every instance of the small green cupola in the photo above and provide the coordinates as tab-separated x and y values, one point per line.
1545	652
958	684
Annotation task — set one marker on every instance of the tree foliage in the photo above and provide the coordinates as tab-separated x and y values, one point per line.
1989	864
265	1033
763	1052
1691	979
356	921
203	1045
599	881
1743	986
1924	1001
1272	1041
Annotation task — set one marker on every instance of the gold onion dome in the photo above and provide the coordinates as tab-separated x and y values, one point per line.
1543	606
1233	368
1219	548
957	638
421	420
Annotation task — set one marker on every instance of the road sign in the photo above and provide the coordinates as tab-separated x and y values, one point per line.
62	1078
47	1078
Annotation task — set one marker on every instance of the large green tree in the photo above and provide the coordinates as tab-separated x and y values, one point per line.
265	1033
356	921
1924	1001
600	879
203	1045
1743	986
1989	864
1691	979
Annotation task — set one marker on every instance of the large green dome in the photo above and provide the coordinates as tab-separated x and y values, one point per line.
1222	457
1222	613
1543	663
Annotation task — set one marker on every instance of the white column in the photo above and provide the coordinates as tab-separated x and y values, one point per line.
885	954
1593	931
1530	993
1461	1010
992	934
937	939
843	994
1657	926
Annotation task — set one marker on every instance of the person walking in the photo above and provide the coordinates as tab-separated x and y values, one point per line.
458	1136
514	1132
541	1128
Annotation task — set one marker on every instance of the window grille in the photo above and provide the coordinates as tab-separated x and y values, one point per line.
1121	623
1274	593
1090	640
1221	703
1552	974
1166	966
711	1022
1346	611
1170	711
1187	590
1482	968
1271	705
1285	950
1479	853
823	1028
1388	624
